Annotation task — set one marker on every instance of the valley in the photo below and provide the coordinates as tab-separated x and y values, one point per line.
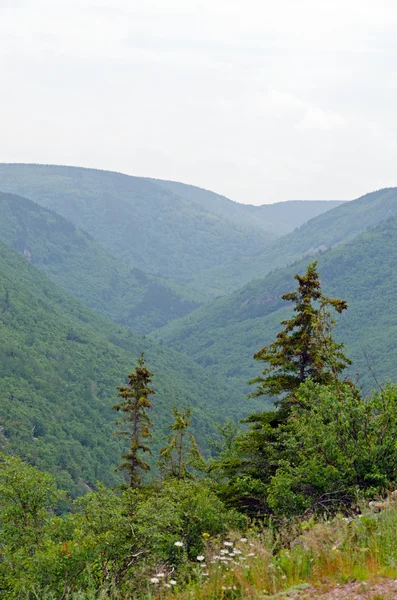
103	276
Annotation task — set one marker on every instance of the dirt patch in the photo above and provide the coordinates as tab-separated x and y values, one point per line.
384	589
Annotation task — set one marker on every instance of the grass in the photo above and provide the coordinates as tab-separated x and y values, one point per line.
302	555
275	563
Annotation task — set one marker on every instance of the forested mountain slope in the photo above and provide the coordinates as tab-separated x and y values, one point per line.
280	217
333	227
223	334
150	227
80	265
59	368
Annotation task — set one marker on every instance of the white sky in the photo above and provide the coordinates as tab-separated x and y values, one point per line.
261	101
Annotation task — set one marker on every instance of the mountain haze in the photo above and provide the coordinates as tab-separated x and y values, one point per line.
336	226
75	261
148	226
279	217
196	239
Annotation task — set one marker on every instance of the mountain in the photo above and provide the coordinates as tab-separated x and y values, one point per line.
223	335
149	227
280	217
168	230
60	365
84	268
338	225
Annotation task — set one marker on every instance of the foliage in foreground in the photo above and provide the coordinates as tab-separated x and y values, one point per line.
324	447
111	540
325	443
296	556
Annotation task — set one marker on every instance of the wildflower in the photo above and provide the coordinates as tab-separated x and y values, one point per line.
154	580
179	544
172	582
243	540
167	585
206	535
201	558
203	565
237	551
160	575
228	543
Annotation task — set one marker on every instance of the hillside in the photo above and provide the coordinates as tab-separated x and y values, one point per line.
280	217
60	365
223	335
149	227
329	229
84	268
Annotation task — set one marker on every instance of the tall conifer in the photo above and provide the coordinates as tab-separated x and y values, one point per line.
135	422
305	347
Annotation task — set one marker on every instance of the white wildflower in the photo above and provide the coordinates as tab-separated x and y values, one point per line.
179	544
154	580
243	540
201	558
172	582
228	543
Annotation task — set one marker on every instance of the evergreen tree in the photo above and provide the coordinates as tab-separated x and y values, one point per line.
135	422
304	348
181	452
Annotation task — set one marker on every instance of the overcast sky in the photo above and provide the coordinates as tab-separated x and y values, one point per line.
261	101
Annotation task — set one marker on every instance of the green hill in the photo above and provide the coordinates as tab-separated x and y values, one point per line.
81	266
338	225
223	335
280	217
149	227
60	365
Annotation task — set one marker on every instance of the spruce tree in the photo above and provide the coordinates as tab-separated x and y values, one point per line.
303	350
181	452
305	347
135	422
